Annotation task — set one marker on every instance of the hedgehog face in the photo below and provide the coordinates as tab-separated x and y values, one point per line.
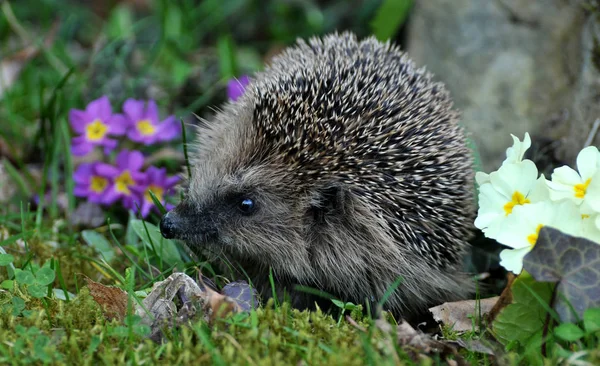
240	208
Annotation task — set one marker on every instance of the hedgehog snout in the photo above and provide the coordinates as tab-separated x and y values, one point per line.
170	225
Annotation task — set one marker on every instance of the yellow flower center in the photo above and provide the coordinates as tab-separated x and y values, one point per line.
96	130
517	199
98	184
145	127
533	237
585	216
158	192
581	188
123	182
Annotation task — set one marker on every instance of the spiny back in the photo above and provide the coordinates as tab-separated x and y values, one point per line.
362	114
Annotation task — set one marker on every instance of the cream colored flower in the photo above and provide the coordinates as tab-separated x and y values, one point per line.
512	185
569	184
515	153
590	228
521	229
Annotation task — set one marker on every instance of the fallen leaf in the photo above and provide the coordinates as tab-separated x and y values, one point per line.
159	310
572	262
113	300
417	343
459	315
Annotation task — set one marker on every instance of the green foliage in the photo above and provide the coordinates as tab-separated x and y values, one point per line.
390	16
100	243
524	319
164	249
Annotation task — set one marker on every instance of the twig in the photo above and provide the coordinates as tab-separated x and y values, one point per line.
592	133
353	323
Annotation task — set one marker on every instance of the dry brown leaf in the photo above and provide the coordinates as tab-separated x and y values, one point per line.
419	344
113	300
159	311
459	314
218	306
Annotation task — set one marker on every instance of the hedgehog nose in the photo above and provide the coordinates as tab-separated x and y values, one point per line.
169	225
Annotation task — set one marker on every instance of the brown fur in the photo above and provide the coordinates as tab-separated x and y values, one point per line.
358	170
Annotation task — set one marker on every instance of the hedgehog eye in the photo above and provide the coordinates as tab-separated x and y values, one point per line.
246	206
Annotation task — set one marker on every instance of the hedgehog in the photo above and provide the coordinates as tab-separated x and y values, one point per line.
342	168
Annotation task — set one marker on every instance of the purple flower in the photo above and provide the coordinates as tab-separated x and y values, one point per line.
94	125
91	183
144	125
161	185
236	87
126	178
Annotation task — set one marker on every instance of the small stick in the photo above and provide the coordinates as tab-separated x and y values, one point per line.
592	134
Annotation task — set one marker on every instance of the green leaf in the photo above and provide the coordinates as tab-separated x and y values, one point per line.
37	291
18	305
24	277
227	59
524	319
569	332
6	259
120	23
572	262
390	16
166	249
45	276
7	284
591	320
98	241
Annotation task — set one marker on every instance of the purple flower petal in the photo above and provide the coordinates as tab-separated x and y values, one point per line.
106	170
78	119
83	173
109	145
169	129
110	196
236	87
118	124
81	191
132	160
134	109
171	181
152	112
81	149
145	209
100	108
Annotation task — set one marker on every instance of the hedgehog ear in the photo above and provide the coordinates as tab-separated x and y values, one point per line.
328	200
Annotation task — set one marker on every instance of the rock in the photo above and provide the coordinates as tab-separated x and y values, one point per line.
512	66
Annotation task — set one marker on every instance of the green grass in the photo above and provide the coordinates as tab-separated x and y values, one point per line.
181	53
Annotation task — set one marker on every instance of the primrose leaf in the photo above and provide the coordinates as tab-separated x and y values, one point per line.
165	248
591	320
98	241
245	296
569	332
572	262
523	319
